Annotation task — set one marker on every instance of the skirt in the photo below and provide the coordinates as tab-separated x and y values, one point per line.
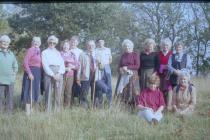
26	86
144	74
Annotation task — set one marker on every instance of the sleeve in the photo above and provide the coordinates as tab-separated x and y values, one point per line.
170	67
26	61
76	62
45	65
110	56
80	67
62	65
141	99
136	64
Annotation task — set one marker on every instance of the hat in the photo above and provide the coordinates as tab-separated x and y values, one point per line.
52	38
5	38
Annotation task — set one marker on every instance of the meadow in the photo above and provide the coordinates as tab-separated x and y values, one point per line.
106	124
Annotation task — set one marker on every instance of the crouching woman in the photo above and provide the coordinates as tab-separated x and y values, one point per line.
183	99
151	102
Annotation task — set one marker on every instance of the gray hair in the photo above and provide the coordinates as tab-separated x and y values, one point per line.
5	38
149	41
53	39
127	42
179	44
166	41
90	42
184	74
36	39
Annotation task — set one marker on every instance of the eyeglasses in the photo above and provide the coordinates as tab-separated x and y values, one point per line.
53	43
4	43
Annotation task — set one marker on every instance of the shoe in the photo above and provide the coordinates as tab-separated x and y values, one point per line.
154	121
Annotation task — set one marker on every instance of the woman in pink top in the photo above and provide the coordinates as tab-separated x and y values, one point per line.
151	102
71	64
32	72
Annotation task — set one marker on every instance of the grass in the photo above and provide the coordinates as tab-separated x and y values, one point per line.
80	124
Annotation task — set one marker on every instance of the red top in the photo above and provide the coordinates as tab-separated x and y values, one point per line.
32	58
152	99
131	60
164	58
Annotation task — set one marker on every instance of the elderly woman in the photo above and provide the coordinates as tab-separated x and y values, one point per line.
178	63
183	99
128	86
54	68
8	71
32	74
149	62
164	55
85	75
71	64
73	43
151	102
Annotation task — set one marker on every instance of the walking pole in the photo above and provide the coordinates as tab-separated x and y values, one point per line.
31	96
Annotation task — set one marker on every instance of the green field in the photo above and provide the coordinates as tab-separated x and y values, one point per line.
104	124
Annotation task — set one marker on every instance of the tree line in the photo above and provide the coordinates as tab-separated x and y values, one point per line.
187	22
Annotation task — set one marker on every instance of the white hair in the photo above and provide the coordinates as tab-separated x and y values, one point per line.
128	43
36	39
166	41
5	38
53	39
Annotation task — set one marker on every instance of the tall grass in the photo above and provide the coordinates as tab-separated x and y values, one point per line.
106	124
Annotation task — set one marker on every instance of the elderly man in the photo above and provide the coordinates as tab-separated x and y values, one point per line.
85	75
103	72
53	65
8	71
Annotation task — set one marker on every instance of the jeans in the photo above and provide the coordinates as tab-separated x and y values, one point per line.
149	115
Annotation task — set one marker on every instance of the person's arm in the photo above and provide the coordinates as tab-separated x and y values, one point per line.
26	61
62	65
188	65
45	65
161	101
79	70
157	63
110	56
170	67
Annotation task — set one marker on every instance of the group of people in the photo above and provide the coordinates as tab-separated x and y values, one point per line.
156	81
151	81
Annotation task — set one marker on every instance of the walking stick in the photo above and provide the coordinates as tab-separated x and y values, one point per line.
93	91
31	96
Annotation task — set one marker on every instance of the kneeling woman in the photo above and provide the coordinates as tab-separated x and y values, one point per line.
151	102
183	99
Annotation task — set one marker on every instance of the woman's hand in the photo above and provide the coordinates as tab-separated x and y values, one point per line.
31	77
